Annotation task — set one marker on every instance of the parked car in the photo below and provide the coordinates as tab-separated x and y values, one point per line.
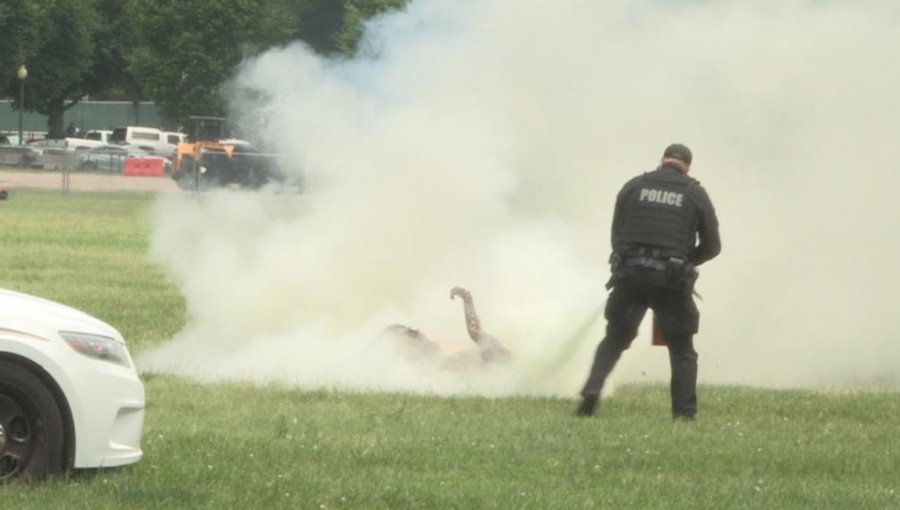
70	396
9	140
63	145
48	146
111	158
19	157
76	144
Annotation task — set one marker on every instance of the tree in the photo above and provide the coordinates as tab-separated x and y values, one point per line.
186	50
335	26
178	53
20	25
72	48
356	12
316	23
114	40
63	56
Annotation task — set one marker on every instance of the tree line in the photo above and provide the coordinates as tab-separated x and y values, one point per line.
177	53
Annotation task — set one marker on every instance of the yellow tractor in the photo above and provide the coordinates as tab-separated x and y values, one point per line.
208	159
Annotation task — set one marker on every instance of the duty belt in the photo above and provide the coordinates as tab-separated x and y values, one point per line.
647	262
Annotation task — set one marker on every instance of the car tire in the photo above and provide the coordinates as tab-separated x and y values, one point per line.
26	161
31	426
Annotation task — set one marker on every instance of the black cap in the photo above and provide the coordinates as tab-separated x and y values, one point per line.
678	151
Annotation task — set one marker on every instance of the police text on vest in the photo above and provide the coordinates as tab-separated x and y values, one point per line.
661	197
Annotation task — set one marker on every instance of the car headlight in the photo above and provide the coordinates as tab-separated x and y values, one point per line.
97	347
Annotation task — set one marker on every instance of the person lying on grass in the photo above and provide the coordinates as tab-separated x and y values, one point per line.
418	346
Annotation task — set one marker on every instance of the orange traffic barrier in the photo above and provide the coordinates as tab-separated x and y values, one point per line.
143	167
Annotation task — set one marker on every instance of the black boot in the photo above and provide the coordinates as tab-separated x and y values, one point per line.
587	406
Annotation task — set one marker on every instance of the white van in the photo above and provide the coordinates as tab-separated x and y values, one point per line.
147	138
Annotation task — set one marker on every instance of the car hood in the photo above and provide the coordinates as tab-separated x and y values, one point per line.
40	316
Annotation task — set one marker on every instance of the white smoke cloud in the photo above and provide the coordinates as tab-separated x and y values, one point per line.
482	144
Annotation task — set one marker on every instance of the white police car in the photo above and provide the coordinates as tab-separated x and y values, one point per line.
70	396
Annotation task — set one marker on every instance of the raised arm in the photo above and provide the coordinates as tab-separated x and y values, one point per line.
489	346
473	324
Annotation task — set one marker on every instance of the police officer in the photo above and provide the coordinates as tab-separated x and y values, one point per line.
664	225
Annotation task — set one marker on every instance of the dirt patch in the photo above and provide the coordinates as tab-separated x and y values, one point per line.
86	182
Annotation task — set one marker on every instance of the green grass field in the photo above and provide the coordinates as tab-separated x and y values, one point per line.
241	445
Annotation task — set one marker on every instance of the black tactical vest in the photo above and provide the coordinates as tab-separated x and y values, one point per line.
657	212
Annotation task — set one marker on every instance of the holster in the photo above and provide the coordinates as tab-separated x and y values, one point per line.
681	272
615	269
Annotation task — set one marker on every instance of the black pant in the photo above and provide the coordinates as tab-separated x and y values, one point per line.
674	306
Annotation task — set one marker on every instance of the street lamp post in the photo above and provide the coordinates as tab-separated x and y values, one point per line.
22	73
